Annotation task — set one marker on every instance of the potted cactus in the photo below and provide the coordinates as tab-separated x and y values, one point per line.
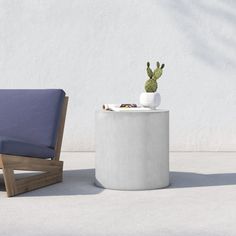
151	98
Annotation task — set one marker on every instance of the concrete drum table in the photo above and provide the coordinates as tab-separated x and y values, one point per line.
132	149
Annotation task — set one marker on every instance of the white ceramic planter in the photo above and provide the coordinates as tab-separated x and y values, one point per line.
151	100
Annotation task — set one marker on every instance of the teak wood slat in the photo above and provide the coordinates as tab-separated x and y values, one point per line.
52	170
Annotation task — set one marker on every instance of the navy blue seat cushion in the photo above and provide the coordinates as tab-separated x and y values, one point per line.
20	148
31	115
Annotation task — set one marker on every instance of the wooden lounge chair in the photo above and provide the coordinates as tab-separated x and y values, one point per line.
31	131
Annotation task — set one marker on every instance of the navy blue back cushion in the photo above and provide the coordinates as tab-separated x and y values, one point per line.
31	115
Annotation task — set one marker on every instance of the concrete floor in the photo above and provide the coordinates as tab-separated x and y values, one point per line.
200	201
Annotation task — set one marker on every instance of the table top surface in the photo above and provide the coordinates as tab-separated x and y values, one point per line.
133	110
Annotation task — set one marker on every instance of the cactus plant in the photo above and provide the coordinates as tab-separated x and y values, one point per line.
151	84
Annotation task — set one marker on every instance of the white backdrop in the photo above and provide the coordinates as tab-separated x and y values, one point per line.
97	52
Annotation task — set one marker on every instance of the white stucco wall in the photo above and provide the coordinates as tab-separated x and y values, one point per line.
97	52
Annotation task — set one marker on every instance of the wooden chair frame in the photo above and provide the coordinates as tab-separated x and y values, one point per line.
52	169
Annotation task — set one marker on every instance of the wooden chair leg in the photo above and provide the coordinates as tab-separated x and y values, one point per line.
37	181
52	173
9	179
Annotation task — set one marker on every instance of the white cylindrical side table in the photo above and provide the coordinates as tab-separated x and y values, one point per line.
132	149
